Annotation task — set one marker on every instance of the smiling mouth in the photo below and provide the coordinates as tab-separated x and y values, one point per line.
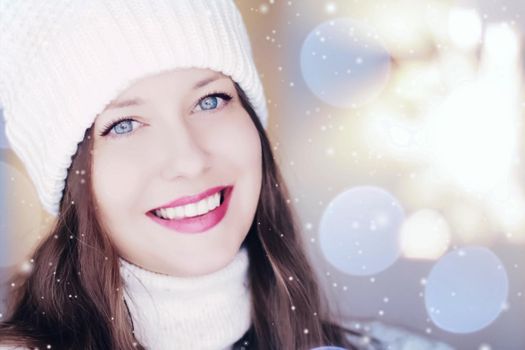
221	201
213	215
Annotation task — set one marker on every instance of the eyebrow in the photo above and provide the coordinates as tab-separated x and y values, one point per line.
125	103
208	80
138	101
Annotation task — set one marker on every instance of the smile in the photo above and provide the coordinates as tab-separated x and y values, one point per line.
202	207
194	217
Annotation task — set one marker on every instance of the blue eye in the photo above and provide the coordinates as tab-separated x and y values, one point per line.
211	101
122	126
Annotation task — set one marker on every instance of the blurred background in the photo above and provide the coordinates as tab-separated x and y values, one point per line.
398	127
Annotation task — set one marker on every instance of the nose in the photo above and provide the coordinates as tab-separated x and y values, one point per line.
184	155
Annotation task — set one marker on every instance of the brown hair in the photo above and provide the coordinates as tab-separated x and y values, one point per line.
73	298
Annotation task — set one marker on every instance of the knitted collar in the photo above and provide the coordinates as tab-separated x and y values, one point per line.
205	312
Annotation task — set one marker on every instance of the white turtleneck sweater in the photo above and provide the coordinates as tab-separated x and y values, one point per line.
204	312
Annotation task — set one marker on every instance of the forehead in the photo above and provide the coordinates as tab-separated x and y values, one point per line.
174	82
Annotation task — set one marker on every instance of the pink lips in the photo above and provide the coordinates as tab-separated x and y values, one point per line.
192	199
199	223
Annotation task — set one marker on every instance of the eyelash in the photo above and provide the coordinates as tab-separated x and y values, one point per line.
109	126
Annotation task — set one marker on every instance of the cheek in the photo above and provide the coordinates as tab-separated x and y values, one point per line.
240	143
242	148
115	175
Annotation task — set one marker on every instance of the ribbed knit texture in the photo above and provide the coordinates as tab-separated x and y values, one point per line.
63	61
209	312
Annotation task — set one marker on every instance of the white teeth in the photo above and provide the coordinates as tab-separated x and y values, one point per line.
211	202
189	210
179	212
202	207
170	212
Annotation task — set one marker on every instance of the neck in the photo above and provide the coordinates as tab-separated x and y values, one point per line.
209	312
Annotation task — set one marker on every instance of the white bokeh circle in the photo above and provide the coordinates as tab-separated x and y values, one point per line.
359	230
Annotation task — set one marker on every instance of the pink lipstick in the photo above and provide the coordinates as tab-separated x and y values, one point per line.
200	223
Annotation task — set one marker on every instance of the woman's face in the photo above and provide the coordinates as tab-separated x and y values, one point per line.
182	136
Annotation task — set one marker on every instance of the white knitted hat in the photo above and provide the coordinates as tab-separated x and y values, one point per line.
63	61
